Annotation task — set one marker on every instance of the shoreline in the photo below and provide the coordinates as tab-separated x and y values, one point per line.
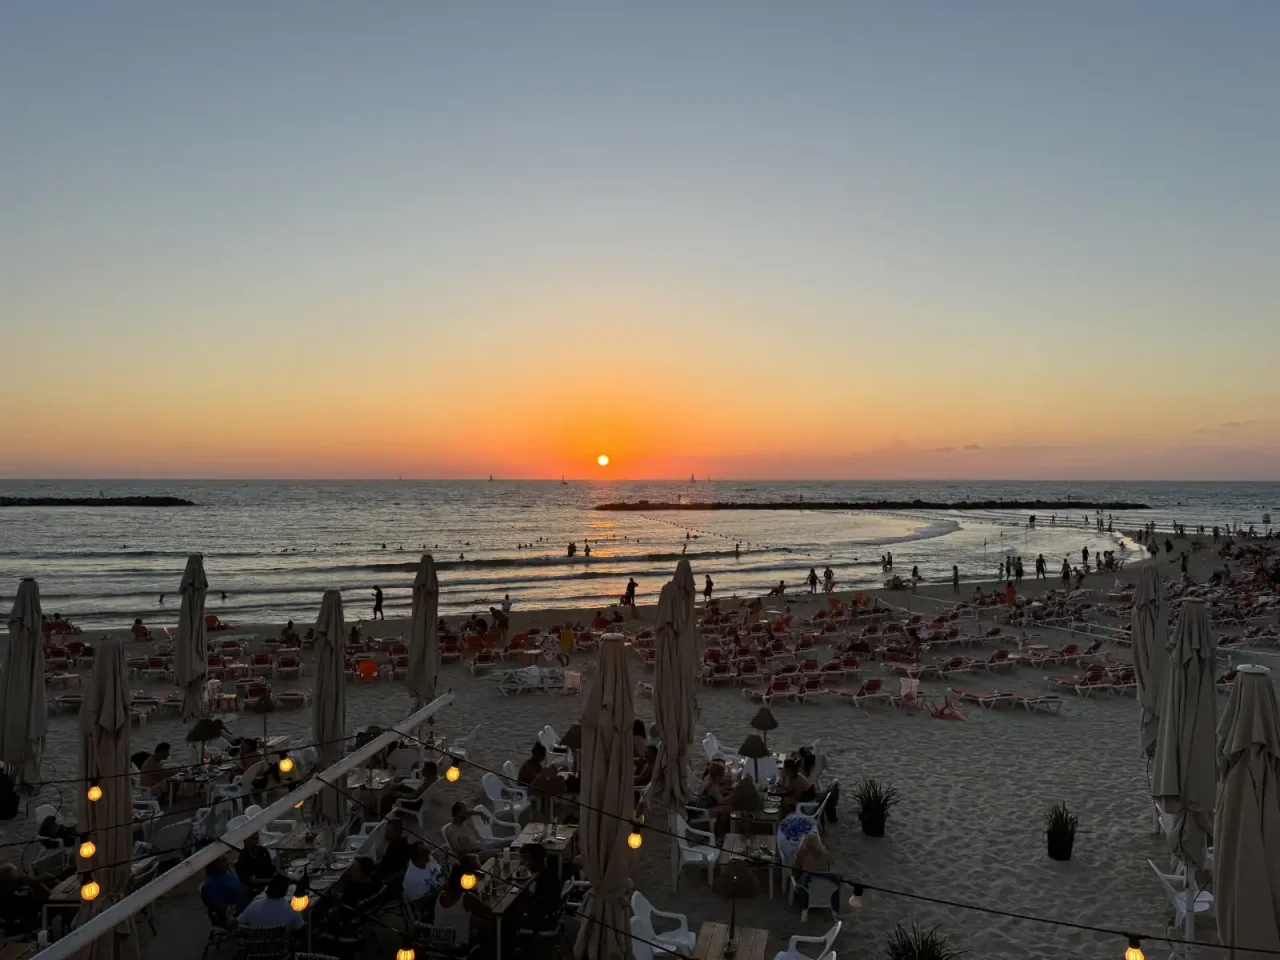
871	505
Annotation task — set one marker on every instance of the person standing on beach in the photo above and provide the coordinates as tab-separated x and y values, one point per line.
377	604
1017	570
737	550
812	580
1066	573
1084	557
1042	568
955	578
1000	572
706	589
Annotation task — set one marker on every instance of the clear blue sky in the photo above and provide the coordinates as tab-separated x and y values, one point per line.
1067	204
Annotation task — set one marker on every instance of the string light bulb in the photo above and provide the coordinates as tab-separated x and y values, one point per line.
634	839
87	850
453	773
94	794
298	805
286	764
1134	951
299	902
405	953
468	881
855	902
90	890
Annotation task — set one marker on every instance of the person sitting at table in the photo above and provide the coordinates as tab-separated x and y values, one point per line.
153	776
254	866
812	862
272	909
530	769
22	899
464	838
397	852
794	787
538	907
222	889
639	738
645	765
715	795
455	908
422	875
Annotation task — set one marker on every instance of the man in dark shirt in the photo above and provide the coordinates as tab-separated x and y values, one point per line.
530	769
537	908
396	855
254	866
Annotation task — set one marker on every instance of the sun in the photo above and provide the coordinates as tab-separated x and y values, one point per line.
603	459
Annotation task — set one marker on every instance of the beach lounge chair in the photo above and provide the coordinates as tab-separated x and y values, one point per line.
811	685
156	669
955	665
399	666
988	701
717	672
1043	703
868	691
1094	680
1224	682
998	662
908	693
450	651
482	662
288	665
777	687
748	670
948	710
832	670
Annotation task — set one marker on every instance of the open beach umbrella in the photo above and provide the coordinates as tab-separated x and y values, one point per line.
1246	828
191	665
424	639
329	700
608	777
1150	635
1182	777
23	717
675	672
108	822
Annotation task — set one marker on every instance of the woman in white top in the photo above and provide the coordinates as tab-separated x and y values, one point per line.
455	908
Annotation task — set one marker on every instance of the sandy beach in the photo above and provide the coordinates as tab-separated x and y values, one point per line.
973	792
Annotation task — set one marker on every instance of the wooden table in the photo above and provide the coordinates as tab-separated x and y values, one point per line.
556	839
13	950
499	895
713	936
758	850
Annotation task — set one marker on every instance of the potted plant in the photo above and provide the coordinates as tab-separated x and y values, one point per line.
874	800
917	944
1060	831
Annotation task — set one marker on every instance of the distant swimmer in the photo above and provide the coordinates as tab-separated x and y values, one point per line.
224	595
162	599
586	549
737	550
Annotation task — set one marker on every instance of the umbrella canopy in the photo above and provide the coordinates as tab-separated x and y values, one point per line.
1246	829
675	672
329	702
764	721
1150	634
606	803
104	759
23	719
191	664
424	640
1182	777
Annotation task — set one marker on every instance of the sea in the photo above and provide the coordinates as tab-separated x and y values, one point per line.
272	547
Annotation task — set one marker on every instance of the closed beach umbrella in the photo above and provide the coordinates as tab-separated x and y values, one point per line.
608	777
104	760
1246	829
424	639
329	700
674	674
1150	635
1183	780
192	653
23	720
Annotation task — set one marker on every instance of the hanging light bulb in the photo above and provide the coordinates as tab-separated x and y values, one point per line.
855	902
89	890
468	881
405	952
634	839
1134	951
94	794
453	773
286	764
87	850
298	805
299	902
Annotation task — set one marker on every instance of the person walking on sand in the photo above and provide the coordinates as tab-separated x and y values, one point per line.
1066	573
812	580
1084	556
737	550
955	578
1041	568
377	604
706	589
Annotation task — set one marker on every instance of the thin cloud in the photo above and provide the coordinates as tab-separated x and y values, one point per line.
973	446
943	450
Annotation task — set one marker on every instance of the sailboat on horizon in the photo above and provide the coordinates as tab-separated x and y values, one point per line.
491	478
563	481
691	480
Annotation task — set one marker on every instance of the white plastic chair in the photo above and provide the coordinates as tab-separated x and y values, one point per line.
814	810
696	848
508	802
486	822
556	754
402	760
459	748
252	811
235	823
821	890
172	839
509	771
793	951
1180	897
680	940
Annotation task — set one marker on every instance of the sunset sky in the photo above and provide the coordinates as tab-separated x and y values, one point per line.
896	239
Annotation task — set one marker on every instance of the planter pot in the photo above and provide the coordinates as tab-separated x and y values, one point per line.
872	826
1060	845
